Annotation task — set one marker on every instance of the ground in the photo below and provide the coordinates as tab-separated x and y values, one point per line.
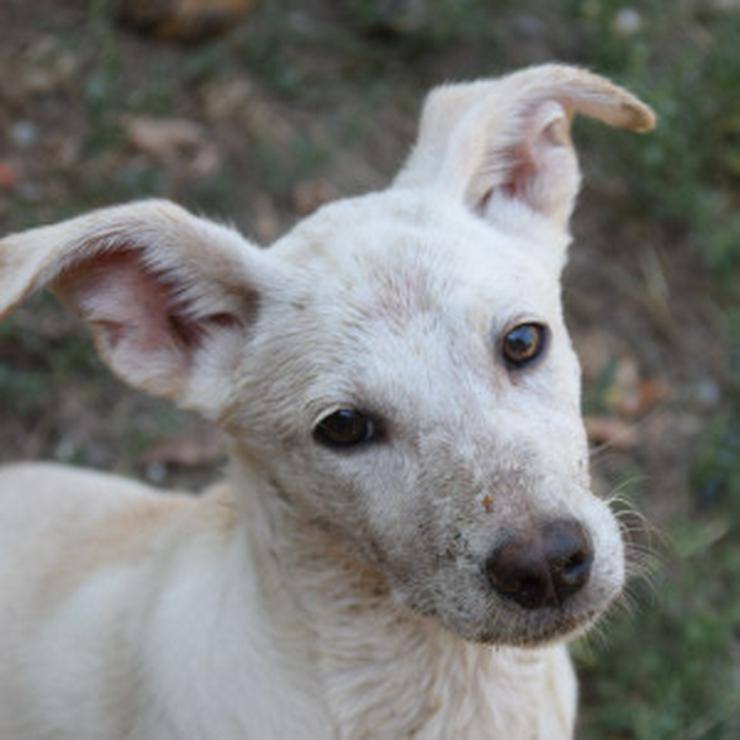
301	102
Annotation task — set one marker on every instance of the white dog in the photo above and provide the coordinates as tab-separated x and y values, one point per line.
407	536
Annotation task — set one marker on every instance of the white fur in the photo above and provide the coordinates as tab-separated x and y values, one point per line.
322	593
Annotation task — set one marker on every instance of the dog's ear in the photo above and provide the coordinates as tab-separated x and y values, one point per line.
508	140
169	297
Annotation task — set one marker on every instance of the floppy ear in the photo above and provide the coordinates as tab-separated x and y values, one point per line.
508	139
169	297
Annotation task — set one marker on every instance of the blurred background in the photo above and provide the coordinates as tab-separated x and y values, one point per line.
258	111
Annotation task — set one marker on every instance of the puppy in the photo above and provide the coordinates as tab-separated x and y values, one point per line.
407	535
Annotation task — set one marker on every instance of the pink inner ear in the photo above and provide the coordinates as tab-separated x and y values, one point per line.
543	171
544	132
129	303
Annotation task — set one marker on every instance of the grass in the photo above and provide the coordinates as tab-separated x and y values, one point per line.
669	670
686	63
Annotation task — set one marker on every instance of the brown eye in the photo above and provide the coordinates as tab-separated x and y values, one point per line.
344	428
523	343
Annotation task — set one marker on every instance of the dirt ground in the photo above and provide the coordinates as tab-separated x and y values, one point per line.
303	102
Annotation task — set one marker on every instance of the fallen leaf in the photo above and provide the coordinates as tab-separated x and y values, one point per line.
162	137
172	140
226	100
8	177
47	65
308	195
608	430
644	396
183	20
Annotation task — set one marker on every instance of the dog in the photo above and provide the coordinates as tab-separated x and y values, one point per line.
407	536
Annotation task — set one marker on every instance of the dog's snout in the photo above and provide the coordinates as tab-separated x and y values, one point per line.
544	567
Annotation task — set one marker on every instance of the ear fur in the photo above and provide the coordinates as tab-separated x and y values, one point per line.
168	296
510	137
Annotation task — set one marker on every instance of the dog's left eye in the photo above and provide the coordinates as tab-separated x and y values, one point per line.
523	344
345	428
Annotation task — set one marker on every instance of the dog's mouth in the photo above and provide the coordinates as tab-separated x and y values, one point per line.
522	629
554	628
541	630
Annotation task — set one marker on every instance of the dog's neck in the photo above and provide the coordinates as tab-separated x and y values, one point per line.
361	643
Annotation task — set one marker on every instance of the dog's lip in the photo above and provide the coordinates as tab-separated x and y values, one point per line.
557	628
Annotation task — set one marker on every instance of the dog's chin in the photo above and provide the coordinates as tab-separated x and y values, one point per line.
507	625
546	630
502	623
531	631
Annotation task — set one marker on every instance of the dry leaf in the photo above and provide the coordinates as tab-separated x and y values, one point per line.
642	398
310	194
608	430
183	20
8	176
172	140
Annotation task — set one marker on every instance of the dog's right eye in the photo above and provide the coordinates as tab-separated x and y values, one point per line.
344	428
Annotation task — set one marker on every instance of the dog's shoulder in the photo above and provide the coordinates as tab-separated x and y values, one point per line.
51	492
76	520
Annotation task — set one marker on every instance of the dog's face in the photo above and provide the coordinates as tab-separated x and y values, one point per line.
398	415
398	364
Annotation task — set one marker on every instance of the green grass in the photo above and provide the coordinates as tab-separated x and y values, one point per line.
686	64
671	670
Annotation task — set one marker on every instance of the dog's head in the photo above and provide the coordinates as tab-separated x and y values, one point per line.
398	363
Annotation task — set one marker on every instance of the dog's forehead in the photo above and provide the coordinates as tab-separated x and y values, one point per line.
405	253
395	297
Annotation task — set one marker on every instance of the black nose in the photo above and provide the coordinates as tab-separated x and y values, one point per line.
544	567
